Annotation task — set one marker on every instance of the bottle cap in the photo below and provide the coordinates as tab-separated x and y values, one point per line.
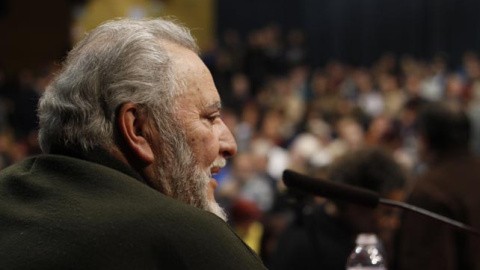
367	239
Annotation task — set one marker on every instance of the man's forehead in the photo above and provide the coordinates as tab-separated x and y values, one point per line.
186	62
198	86
179	53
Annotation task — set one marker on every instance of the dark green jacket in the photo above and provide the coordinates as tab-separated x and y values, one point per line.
63	212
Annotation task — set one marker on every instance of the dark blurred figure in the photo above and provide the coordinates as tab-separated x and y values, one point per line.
323	233
238	95
234	46
408	130
5	103
449	187
25	99
295	51
255	63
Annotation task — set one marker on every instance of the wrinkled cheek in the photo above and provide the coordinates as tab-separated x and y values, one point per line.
210	150
205	148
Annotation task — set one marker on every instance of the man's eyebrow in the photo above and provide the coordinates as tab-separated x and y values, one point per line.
217	105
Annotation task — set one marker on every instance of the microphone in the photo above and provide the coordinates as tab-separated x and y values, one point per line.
361	196
329	189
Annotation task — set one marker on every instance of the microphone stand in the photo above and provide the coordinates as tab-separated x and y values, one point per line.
361	196
434	216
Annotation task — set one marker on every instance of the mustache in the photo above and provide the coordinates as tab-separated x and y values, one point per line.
218	164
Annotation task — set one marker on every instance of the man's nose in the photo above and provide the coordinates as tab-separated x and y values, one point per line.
228	146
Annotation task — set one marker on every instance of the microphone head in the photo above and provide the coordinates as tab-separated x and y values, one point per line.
330	190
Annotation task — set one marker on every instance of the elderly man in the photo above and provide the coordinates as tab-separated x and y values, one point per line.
132	135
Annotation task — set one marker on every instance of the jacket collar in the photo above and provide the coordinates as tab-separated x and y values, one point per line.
99	156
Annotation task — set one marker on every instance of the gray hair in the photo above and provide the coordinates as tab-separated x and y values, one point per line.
120	61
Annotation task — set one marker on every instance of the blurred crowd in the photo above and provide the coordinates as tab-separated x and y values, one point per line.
286	113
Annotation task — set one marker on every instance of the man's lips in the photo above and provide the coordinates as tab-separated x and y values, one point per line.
213	183
215	170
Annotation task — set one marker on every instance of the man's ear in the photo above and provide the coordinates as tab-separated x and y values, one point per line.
133	128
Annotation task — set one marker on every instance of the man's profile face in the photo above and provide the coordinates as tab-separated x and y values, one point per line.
209	140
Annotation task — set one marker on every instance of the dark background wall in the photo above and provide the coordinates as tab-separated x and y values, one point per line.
355	31
33	33
359	31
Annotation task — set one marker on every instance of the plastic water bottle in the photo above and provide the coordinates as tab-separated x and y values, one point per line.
367	255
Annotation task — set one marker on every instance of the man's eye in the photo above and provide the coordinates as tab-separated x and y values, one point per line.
213	117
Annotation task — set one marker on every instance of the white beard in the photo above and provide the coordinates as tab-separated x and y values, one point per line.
214	208
183	180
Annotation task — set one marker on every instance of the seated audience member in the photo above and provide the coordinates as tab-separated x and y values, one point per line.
449	186
323	234
131	134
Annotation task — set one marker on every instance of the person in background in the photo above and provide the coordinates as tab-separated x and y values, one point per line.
449	187
131	134
323	233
